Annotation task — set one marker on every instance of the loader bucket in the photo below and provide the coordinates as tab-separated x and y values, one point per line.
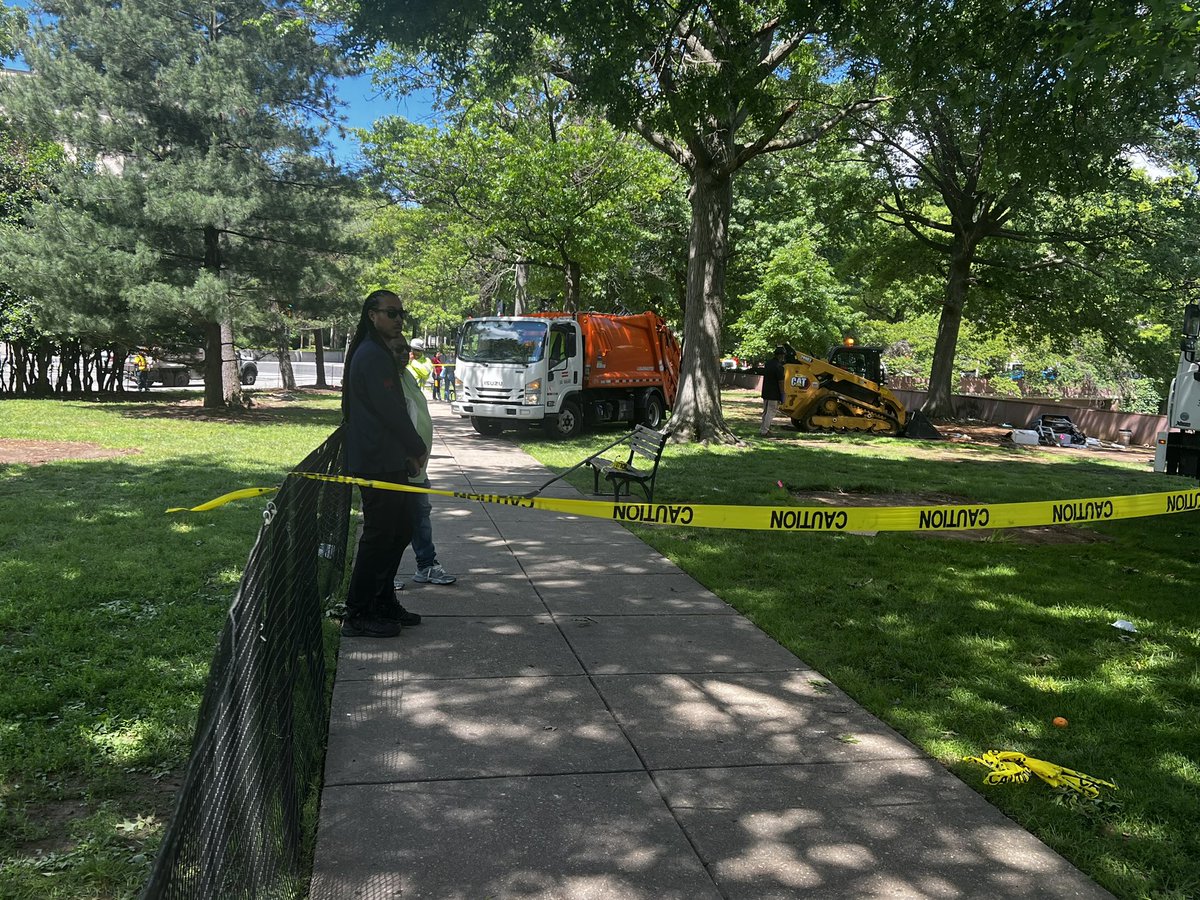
920	428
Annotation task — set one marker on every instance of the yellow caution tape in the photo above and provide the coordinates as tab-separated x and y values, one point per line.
1011	767
244	494
805	518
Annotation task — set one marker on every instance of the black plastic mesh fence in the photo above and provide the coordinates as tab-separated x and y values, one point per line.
252	782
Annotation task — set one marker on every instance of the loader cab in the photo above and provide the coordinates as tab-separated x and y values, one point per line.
865	362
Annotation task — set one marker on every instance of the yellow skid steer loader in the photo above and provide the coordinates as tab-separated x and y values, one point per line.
842	393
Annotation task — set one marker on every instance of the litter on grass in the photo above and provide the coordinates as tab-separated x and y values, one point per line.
1011	767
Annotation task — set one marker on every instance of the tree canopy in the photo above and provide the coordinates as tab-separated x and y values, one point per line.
520	182
995	109
712	86
759	172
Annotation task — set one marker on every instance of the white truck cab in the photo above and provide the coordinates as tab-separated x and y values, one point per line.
518	369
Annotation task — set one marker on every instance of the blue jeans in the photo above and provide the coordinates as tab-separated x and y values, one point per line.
422	538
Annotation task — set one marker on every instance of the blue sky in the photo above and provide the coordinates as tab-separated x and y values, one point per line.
363	105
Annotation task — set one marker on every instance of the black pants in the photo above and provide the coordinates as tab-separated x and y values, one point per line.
388	518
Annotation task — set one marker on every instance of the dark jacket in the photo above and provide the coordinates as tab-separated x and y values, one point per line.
772	378
379	433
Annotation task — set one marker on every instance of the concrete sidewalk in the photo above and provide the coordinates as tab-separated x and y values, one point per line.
578	718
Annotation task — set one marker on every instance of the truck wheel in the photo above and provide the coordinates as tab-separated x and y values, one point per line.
249	375
655	411
567	423
486	427
182	379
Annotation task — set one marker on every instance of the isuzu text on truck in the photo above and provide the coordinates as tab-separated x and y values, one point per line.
564	370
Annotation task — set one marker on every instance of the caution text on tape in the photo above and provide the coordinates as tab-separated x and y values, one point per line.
809	519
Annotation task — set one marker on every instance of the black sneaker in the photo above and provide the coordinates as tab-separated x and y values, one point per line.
394	612
370	627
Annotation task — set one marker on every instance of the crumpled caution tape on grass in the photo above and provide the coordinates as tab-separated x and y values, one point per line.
802	518
1011	767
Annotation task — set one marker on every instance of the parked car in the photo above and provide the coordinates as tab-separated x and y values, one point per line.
247	367
181	371
168	374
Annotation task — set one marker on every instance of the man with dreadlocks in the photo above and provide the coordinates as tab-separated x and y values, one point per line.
382	445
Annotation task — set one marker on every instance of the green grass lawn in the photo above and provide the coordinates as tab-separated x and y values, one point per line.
970	645
110	610
109	615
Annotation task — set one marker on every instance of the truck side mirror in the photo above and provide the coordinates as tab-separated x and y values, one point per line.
1191	320
1191	331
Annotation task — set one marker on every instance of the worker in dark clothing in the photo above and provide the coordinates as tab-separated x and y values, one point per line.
383	445
772	389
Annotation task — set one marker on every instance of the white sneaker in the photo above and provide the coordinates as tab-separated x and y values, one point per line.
434	574
398	584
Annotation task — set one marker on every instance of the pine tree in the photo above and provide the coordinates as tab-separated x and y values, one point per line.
197	191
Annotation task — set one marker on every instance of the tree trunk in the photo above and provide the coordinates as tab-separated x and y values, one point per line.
521	289
20	370
92	374
214	397
283	352
41	383
571	287
222	384
319	358
697	415
939	403
231	380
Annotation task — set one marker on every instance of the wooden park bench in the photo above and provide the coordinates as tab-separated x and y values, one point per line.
645	447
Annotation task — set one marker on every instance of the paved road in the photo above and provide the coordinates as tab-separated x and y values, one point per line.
305	372
268	376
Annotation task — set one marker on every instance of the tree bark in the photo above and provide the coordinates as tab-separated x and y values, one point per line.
231	380
319	357
521	289
284	355
573	277
697	415
20	366
41	384
222	384
939	403
213	395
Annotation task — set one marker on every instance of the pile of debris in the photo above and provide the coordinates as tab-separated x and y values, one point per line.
1050	430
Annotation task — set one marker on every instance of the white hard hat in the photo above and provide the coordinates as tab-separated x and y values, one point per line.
417	344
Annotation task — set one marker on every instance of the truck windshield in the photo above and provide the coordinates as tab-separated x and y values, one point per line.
503	341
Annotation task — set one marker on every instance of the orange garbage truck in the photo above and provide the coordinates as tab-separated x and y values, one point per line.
565	370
